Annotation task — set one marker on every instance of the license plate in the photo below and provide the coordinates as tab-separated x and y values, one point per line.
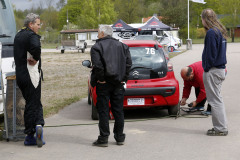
136	101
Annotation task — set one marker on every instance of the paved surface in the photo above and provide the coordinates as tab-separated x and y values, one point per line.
166	139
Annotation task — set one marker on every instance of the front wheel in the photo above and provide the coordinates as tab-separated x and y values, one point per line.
174	110
89	97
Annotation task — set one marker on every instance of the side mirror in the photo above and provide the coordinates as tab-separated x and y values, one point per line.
87	63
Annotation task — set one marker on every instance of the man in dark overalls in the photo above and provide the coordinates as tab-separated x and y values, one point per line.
27	56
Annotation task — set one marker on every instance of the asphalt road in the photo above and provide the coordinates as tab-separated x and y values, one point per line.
152	138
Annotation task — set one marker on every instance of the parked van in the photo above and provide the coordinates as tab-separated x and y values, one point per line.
165	38
7	34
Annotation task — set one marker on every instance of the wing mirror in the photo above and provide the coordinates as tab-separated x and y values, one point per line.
87	63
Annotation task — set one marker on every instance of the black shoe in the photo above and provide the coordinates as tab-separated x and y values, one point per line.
120	139
100	144
120	143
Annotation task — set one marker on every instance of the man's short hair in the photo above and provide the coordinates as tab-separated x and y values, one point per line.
106	29
31	17
189	71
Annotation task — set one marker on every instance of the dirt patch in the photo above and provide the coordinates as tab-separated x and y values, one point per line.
65	80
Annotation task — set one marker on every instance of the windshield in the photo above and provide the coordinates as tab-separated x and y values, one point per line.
148	62
148	37
7	22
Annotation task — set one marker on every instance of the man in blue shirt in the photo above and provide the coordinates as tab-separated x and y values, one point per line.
214	64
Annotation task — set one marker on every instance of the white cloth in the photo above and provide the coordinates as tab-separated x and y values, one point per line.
33	71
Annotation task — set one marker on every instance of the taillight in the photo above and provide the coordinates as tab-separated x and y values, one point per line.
170	66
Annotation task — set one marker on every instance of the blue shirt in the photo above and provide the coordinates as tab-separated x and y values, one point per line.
214	52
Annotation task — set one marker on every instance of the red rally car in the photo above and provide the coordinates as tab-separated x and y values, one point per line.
151	80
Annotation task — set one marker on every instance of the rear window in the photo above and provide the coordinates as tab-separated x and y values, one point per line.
148	62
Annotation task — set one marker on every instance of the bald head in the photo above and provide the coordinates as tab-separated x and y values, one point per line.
187	73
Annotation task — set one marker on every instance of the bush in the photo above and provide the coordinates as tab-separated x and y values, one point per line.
201	33
183	33
50	37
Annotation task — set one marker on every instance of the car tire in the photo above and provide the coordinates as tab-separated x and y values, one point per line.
62	51
174	110
89	97
94	112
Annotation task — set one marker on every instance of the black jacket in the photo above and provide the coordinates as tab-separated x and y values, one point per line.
111	61
26	41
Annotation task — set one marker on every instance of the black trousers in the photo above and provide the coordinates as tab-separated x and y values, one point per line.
202	103
33	113
114	93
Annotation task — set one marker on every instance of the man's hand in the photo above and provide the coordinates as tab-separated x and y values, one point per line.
194	104
31	61
183	101
101	82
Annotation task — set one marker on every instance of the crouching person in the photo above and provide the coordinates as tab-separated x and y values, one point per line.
27	56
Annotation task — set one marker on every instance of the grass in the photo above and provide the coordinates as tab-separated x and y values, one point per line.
65	80
201	41
173	54
50	45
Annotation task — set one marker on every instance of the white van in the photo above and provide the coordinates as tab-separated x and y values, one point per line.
169	40
7	34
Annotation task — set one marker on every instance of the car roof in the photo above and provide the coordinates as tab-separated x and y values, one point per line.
139	43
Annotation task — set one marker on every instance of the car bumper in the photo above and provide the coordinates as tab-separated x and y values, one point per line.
163	91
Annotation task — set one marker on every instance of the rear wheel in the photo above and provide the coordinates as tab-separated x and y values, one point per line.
94	112
62	51
89	98
174	110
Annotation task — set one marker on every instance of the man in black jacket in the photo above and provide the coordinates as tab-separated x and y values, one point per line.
27	56
111	65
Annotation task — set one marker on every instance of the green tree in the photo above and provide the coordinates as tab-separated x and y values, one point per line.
49	21
73	9
231	14
88	18
88	13
61	4
175	15
128	10
106	13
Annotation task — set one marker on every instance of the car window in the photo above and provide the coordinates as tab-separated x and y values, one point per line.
144	37
147	56
149	62
7	22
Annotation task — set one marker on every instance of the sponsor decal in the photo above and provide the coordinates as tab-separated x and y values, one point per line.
118	25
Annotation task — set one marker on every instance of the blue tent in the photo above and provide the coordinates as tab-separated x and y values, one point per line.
155	24
121	26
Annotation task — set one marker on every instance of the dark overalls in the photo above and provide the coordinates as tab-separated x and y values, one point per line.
28	41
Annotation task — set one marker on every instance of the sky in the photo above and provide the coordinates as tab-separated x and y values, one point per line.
26	4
